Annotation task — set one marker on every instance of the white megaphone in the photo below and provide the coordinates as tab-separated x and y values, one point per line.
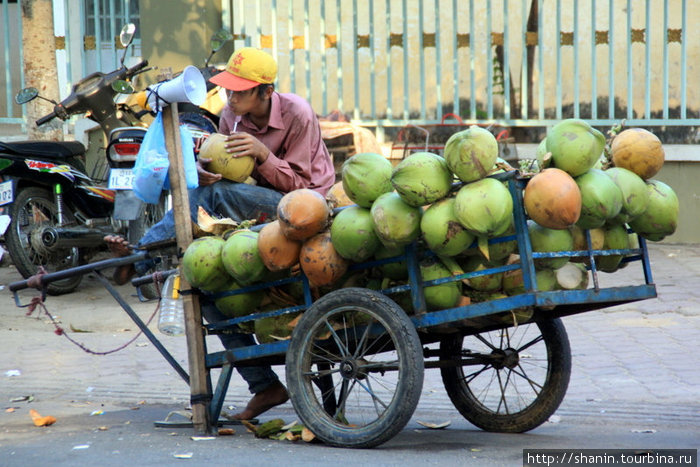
188	87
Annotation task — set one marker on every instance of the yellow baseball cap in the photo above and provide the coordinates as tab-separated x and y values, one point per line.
247	68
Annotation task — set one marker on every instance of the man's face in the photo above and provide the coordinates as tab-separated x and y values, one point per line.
242	102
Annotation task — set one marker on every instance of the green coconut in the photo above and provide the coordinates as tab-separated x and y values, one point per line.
660	218
546	280
441	296
500	249
242	304
615	238
275	328
579	236
580	243
242	259
202	265
575	146
545	240
441	230
395	222
512	283
601	199
366	176
469	262
422	178
352	234
397	270
471	153
484	207
635	196
487	282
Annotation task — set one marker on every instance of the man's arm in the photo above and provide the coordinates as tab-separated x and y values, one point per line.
292	169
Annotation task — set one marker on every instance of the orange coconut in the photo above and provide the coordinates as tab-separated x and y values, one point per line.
302	213
337	197
320	262
638	150
277	251
552	199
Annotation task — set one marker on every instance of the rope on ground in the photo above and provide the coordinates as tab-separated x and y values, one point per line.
39	302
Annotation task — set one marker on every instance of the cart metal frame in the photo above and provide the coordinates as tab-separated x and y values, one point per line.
547	305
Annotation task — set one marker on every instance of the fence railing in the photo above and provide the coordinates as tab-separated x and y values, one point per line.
391	62
514	62
86	33
11	58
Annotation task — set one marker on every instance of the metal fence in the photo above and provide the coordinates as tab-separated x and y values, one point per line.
513	62
11	49
392	62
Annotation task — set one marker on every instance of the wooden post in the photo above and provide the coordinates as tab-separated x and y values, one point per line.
200	394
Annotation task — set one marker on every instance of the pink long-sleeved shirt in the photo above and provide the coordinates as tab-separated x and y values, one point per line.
298	156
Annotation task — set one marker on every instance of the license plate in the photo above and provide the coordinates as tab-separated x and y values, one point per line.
6	195
121	179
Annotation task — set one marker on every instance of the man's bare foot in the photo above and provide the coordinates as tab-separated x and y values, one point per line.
263	401
119	247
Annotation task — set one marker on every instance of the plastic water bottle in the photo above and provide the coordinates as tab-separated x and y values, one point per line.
171	320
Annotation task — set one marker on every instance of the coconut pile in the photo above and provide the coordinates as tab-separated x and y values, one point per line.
453	211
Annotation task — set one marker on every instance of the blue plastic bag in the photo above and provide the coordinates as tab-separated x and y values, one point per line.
151	167
190	166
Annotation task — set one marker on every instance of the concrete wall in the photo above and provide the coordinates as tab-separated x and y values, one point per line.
683	177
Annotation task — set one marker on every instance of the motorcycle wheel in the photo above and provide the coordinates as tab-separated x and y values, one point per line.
150	215
34	208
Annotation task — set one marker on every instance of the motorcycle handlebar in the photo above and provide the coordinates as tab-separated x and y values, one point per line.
46	118
136	68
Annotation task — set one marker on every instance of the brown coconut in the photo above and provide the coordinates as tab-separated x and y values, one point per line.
276	250
337	197
638	150
552	199
320	262
302	214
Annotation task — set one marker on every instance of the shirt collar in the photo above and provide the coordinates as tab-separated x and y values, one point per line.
276	112
275	120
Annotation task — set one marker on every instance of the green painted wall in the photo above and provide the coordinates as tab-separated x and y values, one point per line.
175	33
683	177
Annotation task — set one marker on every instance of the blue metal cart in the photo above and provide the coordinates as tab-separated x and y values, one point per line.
355	361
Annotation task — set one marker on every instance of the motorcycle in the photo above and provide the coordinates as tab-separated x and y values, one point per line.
58	214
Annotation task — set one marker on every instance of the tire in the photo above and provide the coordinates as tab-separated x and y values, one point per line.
516	379
376	379
150	215
34	207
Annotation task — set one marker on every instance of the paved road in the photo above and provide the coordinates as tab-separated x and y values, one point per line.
635	382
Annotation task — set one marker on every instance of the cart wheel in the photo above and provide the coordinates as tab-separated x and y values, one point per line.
367	345
515	378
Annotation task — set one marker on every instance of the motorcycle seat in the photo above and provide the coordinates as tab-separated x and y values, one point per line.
54	150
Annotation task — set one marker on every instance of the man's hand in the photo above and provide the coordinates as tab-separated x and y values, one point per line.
205	177
244	144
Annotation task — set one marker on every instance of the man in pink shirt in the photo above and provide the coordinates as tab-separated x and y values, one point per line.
282	133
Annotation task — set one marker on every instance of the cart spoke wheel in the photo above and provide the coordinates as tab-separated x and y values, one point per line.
516	377
354	368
